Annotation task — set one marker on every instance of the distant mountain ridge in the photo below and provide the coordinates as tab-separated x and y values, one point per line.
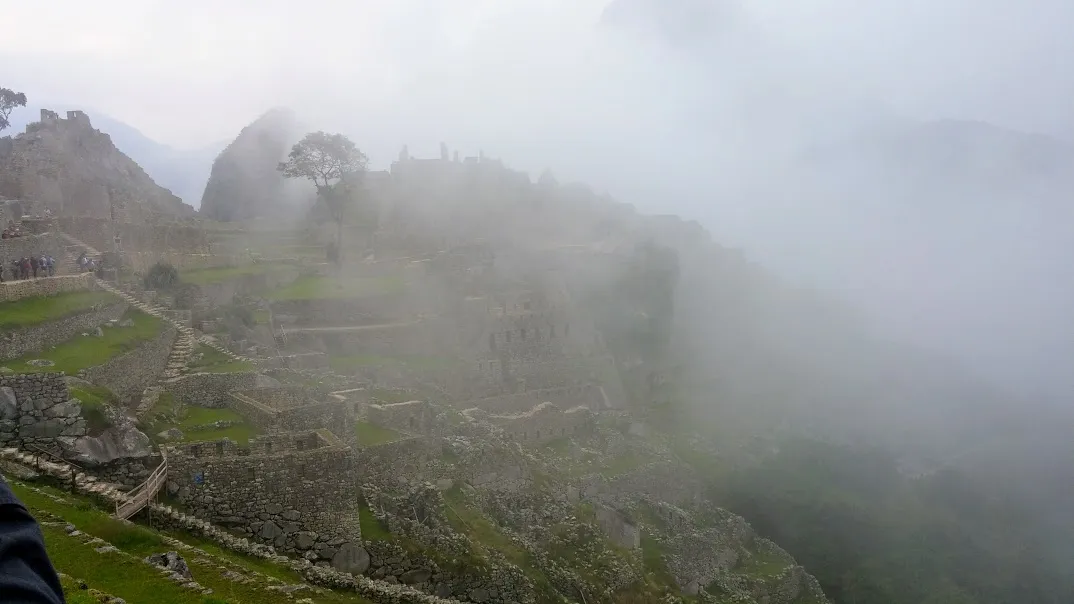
182	171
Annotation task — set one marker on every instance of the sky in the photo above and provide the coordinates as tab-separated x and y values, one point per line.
193	73
678	106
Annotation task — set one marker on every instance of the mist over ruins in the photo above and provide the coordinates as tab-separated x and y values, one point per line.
448	381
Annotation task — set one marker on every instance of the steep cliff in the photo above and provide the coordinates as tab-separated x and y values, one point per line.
76	170
244	182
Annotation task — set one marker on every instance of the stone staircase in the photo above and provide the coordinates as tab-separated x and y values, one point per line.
84	483
187	339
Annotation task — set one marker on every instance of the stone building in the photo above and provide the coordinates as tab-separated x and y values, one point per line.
293	409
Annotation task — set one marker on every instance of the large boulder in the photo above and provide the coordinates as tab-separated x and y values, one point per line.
117	442
351	558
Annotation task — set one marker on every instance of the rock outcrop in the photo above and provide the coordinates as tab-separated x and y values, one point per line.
244	182
75	170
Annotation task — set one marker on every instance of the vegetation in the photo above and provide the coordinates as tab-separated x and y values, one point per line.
86	351
123	574
193	422
220	274
93	399
870	535
214	361
336	167
162	276
42	309
315	287
372	434
9	100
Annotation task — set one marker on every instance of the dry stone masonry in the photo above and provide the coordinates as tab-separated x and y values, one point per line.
37	409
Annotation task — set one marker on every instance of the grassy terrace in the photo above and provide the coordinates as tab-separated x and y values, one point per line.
316	287
208	276
189	420
372	434
214	361
86	351
123	574
93	399
42	309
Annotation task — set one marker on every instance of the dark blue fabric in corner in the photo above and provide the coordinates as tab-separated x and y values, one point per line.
26	574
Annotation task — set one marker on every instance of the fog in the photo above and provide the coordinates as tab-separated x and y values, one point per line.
801	131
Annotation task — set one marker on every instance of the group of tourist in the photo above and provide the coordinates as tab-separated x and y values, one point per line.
32	267
87	264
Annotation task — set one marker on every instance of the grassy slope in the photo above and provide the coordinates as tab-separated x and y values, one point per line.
316	287
208	276
165	416
86	351
372	434
135	581
214	361
41	309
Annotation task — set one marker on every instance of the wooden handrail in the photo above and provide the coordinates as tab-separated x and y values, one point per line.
139	496
73	466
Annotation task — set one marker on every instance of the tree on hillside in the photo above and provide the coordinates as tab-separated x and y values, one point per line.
335	166
9	100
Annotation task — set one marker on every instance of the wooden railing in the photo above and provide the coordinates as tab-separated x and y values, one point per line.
141	495
39	451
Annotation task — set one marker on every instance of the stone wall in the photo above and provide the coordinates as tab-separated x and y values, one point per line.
300	499
368	310
186	238
142	261
543	423
50	286
302	360
128	374
31	245
288	410
36	408
213	389
582	395
413	417
36	338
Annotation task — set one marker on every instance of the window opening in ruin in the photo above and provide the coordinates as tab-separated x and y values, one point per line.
268	447
195	451
411	421
220	448
300	444
252	472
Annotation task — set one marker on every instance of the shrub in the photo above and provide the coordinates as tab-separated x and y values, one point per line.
162	276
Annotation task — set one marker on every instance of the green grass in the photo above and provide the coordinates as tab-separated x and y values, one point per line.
41	309
316	287
214	361
372	434
372	529
135	581
93	399
165	416
81	352
208	276
392	396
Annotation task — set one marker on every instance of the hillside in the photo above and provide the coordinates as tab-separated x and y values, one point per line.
244	182
72	168
182	171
